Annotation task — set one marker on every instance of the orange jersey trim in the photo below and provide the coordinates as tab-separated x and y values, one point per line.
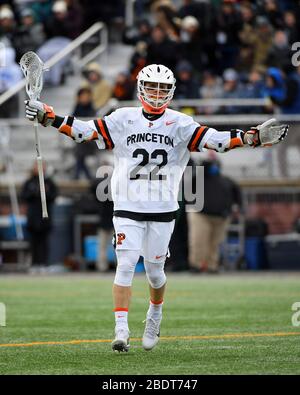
67	130
235	142
196	138
103	130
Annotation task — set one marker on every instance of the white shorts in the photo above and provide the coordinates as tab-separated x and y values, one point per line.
149	237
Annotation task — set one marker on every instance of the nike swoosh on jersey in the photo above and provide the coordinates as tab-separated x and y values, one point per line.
170	123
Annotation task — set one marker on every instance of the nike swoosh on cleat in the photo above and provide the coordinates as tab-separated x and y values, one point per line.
159	256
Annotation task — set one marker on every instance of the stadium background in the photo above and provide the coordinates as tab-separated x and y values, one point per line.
241	322
220	50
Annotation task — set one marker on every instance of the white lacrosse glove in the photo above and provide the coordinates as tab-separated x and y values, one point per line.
266	134
36	109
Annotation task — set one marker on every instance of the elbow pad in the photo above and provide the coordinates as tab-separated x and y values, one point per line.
79	131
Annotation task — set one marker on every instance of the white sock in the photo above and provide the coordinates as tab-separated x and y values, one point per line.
121	319
155	310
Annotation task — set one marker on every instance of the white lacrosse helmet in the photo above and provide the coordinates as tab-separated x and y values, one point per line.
155	87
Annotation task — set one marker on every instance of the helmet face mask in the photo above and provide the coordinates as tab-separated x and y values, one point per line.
156	86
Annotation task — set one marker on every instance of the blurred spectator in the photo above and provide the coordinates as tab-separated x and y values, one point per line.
280	53
211	88
262	41
274	88
42	10
61	28
38	227
255	86
247	37
248	13
138	59
83	108
283	91
66	20
10	74
186	85
161	50
7	26
232	89
229	24
101	88
245	59
192	44
190	7
124	87
106	11
272	12
166	17
260	38
132	36
208	227
29	35
248	19
205	14
291	27
75	14
203	11
84	104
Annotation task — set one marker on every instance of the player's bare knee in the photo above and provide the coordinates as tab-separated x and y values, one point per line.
155	274
125	268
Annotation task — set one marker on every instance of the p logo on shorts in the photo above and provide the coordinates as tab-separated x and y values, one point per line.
121	237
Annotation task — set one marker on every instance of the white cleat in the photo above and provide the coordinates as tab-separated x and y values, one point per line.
121	341
151	333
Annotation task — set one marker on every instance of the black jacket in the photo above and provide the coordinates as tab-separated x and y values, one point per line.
31	195
220	194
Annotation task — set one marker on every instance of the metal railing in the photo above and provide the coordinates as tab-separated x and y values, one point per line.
129	12
98	27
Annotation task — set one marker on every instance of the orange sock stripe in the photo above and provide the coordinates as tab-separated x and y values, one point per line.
160	302
120	309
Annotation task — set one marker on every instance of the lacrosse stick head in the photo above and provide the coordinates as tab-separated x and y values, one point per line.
32	68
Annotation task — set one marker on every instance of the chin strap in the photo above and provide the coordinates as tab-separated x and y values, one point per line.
152	110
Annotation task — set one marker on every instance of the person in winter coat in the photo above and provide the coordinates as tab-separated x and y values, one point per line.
83	108
30	35
208	227
101	88
38	227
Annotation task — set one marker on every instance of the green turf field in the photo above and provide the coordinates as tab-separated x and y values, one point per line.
228	324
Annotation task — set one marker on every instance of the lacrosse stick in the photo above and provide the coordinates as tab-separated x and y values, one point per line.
32	67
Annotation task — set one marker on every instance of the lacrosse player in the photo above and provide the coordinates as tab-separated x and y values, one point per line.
151	146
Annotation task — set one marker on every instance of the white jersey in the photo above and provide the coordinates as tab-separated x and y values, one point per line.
150	155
